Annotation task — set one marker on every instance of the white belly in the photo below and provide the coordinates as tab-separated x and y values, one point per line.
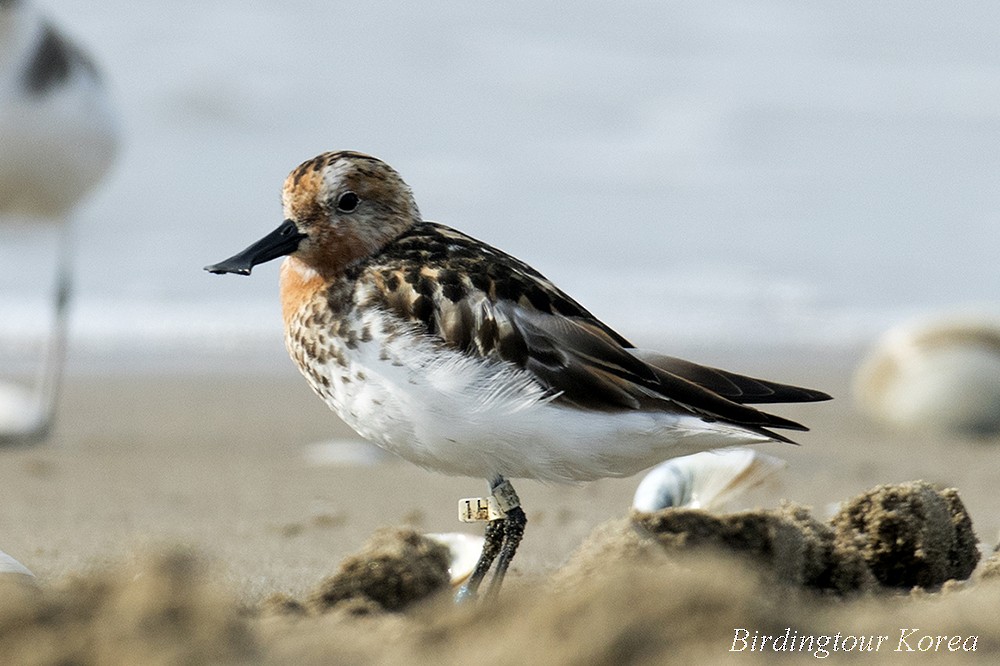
453	413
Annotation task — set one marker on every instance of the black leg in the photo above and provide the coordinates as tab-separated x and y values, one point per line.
513	531
494	540
502	538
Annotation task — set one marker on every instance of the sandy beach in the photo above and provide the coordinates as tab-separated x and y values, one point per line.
217	467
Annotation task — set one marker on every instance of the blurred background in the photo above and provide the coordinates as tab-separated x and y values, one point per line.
700	175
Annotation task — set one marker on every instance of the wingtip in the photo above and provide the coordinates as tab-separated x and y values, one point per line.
818	396
781	438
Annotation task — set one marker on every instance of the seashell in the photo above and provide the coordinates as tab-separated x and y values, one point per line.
941	375
344	453
8	565
703	480
465	550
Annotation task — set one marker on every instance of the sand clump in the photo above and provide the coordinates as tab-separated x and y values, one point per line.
164	610
902	536
911	534
396	568
789	542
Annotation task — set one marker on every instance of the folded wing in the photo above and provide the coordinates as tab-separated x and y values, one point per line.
590	369
484	302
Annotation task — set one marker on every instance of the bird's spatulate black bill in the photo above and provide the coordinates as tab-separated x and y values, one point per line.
282	241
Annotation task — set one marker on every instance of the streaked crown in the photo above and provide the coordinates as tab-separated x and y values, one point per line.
349	205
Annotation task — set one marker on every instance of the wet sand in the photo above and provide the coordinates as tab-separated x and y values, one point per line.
215	468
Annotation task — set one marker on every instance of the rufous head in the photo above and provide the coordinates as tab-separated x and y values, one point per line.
339	207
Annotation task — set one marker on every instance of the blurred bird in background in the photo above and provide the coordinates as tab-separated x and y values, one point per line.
58	137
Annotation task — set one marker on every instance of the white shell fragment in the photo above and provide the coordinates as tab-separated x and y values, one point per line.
704	480
8	565
941	375
465	550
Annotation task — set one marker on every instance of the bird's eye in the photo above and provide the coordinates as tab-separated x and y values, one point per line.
347	202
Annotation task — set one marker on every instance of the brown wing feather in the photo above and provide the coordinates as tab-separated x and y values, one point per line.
502	309
738	388
609	371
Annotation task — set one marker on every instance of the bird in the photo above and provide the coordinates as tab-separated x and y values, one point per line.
59	134
462	359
